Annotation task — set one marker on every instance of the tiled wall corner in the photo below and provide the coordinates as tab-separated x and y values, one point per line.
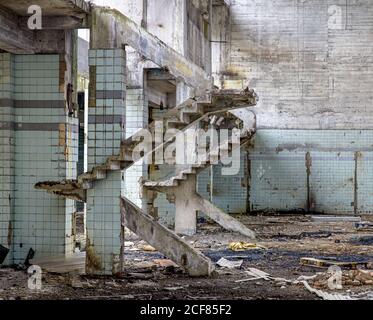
6	151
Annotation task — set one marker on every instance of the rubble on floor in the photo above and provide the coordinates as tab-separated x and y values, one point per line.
275	272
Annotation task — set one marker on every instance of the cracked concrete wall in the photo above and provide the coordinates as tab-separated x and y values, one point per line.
309	61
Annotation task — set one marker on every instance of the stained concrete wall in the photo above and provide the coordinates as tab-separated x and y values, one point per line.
330	173
182	26
309	61
311	64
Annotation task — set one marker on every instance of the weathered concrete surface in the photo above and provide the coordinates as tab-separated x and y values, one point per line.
185	207
164	240
111	29
15	37
12	38
225	220
76	8
309	61
188	202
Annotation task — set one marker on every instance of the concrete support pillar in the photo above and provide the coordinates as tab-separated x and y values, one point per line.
106	129
185	210
6	155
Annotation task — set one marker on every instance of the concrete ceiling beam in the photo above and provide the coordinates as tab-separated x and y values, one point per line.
13	38
112	29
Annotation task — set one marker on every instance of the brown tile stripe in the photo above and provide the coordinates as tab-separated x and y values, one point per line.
32	103
106	119
110	94
6	103
34	126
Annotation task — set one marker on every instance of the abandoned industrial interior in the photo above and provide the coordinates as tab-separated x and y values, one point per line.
186	150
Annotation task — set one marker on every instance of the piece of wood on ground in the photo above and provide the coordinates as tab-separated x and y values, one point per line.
320	263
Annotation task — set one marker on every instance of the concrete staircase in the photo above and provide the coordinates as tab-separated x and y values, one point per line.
188	116
183	183
183	117
207	161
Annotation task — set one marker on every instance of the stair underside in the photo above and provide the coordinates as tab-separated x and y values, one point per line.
165	241
194	169
221	100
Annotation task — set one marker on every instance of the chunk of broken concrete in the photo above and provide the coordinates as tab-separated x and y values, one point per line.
3	253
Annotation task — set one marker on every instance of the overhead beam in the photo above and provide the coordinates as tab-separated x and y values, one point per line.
80	4
13	38
112	29
58	22
159	75
16	38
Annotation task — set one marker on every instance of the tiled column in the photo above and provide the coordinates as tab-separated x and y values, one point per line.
136	119
106	130
6	151
45	149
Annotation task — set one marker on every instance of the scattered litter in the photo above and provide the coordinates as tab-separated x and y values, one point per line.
145	265
129	244
307	278
314	235
165	263
148	248
319	263
335	219
363	240
140	276
244	246
224	263
255	274
174	288
324	295
364	226
364	296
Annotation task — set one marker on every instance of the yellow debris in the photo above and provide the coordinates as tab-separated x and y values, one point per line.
243	246
148	248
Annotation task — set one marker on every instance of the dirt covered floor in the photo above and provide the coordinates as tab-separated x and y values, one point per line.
283	241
